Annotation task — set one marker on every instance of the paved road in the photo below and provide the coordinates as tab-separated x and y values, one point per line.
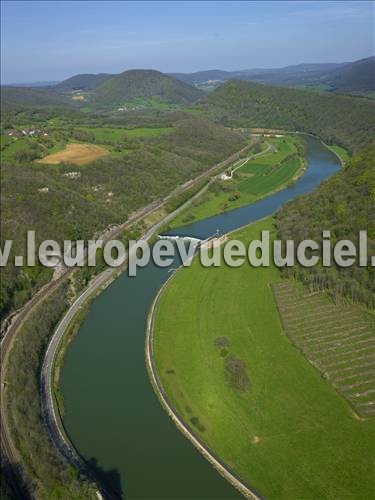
270	147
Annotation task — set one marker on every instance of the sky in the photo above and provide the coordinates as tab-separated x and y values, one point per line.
52	40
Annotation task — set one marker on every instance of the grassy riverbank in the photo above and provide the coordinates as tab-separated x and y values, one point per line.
280	163
341	153
234	376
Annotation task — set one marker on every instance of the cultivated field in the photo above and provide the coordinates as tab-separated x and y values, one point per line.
255	179
79	154
245	389
338	340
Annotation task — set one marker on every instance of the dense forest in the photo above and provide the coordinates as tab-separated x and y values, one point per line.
47	473
347	121
17	96
344	204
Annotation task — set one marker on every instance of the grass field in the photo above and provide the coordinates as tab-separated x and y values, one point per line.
248	392
115	135
114	140
255	179
139	103
78	154
341	152
11	147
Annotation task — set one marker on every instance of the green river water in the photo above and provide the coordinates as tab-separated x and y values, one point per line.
111	412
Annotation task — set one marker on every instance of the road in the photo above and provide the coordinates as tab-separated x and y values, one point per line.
270	147
8	449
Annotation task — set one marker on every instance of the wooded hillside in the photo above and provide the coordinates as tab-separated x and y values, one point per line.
347	121
344	204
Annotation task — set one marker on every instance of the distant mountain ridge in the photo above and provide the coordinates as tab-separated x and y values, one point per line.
51	83
354	77
256	73
346	77
104	90
357	76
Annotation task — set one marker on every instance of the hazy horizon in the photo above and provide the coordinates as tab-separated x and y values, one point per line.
49	41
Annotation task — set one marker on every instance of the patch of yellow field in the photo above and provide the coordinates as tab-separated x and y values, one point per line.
79	154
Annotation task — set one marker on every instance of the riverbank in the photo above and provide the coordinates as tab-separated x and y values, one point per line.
15	330
262	175
340	152
179	422
53	408
131	427
228	369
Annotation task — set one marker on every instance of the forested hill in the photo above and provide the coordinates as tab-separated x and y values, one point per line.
344	204
12	97
82	82
105	90
347	121
358	76
145	84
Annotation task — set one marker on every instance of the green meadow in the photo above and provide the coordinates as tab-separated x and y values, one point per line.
110	134
237	380
59	135
260	176
341	152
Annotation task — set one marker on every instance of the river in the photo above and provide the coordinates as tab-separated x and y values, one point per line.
111	412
